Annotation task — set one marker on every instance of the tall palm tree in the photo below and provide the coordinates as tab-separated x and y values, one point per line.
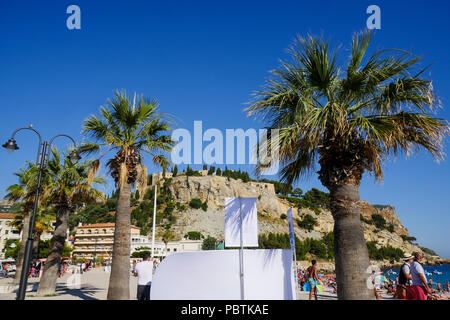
24	191
128	127
350	120
70	184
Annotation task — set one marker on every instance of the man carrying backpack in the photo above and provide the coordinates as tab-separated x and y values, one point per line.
404	278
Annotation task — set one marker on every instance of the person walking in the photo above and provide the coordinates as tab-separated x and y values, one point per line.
144	271
419	289
312	278
404	278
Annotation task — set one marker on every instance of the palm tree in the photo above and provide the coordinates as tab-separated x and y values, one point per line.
42	224
24	191
129	128
349	120
70	184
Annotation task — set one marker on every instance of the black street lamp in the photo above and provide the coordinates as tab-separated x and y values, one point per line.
41	161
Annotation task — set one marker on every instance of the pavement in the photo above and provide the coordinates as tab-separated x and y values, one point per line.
91	285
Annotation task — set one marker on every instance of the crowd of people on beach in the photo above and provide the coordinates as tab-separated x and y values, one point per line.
411	284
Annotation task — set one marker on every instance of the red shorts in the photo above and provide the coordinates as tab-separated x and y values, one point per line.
417	293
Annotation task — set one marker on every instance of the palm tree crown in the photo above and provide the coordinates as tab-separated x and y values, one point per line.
69	183
129	127
349	119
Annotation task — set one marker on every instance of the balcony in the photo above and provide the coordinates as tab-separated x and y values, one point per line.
93	242
84	235
98	250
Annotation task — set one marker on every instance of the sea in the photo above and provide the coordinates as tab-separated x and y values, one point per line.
437	278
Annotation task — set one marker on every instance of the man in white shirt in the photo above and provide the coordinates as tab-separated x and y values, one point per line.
419	289
144	271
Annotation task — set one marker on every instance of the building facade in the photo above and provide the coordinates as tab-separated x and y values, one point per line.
7	231
142	243
96	240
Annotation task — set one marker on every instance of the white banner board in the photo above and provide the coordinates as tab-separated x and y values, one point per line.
233	222
214	275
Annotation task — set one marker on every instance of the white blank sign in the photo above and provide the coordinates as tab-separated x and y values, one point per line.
233	222
214	275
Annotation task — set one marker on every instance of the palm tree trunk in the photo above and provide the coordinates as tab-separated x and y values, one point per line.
36	239
119	281
350	249
47	285
20	256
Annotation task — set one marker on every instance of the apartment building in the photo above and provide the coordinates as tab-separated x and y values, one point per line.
96	240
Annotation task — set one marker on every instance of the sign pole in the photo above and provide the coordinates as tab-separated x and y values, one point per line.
154	223
292	240
241	251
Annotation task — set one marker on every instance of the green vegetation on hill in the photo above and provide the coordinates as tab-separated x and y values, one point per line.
429	251
194	235
322	249
381	206
308	222
384	253
408	238
14	208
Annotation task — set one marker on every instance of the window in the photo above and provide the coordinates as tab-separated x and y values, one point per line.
6	231
104	231
175	250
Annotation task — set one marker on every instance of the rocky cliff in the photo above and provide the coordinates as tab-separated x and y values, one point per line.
214	190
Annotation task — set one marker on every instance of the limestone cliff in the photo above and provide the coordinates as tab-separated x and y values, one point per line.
214	189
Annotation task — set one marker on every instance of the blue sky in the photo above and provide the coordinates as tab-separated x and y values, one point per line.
202	60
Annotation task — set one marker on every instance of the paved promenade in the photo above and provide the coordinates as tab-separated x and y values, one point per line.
93	285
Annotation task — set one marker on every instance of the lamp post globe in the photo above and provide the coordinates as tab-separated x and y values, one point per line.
74	156
10	145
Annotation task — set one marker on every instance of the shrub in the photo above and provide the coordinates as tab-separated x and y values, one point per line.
317	197
195	203
283	216
180	207
378	221
408	238
139	254
209	243
194	235
390	228
308	222
204	206
382	253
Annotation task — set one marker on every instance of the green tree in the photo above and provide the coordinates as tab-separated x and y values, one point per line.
308	222
378	221
297	192
175	170
130	127
24	192
210	243
194	235
348	119
69	185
